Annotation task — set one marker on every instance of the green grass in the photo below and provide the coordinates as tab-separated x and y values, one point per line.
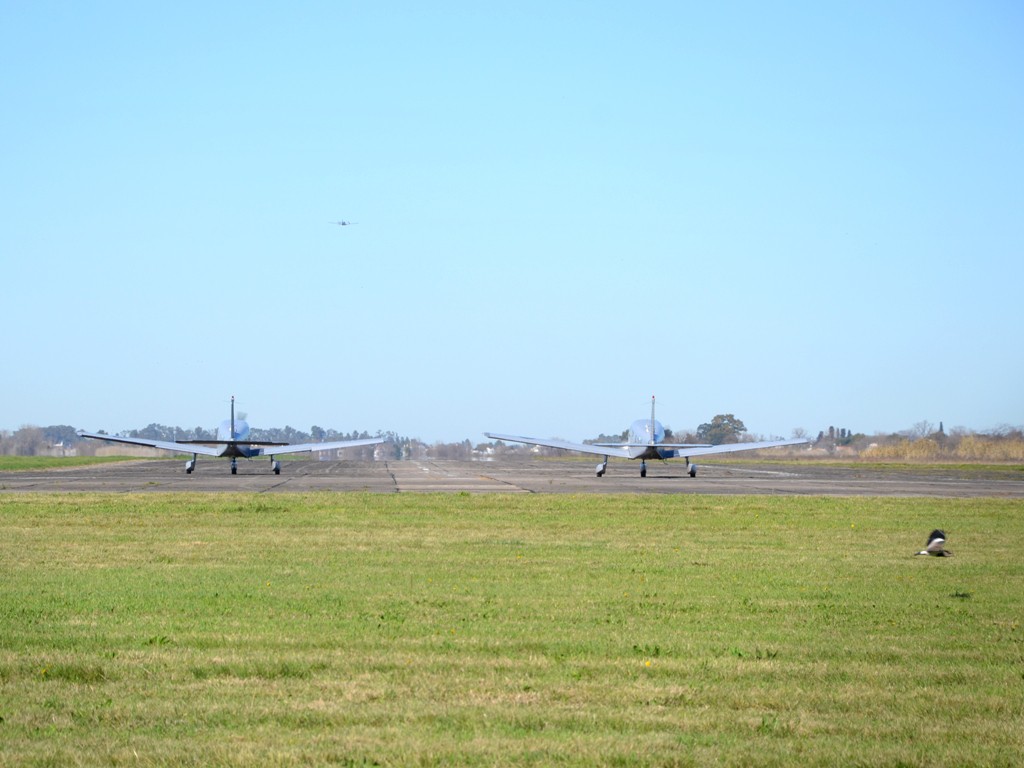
969	468
361	629
22	463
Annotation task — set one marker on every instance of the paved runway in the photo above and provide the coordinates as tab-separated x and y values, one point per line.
535	476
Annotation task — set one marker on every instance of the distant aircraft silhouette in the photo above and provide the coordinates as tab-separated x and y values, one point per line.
646	441
343	223
233	441
936	545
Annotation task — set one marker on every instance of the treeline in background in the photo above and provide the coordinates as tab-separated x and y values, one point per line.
923	442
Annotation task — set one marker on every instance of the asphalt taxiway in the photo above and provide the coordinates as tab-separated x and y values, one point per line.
534	476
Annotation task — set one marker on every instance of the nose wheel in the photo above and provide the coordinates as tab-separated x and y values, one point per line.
234	466
643	468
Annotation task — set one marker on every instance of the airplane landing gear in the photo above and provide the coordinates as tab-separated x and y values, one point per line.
643	468
190	465
602	468
234	466
276	466
692	468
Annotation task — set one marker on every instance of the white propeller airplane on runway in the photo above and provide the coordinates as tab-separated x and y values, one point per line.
233	440
646	442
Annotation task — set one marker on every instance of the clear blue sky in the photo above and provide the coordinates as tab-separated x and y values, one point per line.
805	214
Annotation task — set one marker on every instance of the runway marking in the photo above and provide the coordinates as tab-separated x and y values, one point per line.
275	486
506	482
747	471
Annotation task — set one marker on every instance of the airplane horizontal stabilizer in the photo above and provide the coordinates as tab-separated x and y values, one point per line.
659	445
228	442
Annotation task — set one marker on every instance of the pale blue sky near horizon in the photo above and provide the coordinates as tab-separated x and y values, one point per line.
805	214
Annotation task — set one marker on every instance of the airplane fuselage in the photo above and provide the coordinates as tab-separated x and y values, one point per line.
644	435
232	441
230	434
239	430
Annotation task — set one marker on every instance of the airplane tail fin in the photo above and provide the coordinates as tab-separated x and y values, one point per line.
232	417
652	420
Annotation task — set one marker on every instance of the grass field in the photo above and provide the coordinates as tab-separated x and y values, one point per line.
23	463
402	629
958	469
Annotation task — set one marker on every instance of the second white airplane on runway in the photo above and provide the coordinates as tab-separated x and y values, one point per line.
646	441
233	440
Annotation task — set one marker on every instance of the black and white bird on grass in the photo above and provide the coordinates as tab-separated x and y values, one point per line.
936	545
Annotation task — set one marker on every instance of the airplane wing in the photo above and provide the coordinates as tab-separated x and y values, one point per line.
706	450
205	450
630	450
598	450
300	447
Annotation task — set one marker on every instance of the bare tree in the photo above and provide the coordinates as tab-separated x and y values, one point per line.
28	441
922	429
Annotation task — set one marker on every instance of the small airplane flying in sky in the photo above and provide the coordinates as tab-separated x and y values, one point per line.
646	438
343	223
233	440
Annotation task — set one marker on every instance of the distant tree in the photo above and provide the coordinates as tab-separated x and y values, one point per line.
922	429
154	432
395	448
60	433
723	428
619	437
28	441
846	437
317	433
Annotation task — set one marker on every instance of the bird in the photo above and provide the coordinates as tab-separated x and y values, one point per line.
343	223
936	545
